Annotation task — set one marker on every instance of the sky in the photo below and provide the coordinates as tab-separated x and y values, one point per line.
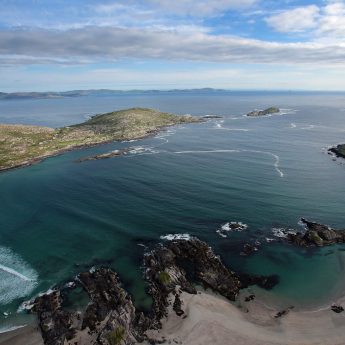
56	45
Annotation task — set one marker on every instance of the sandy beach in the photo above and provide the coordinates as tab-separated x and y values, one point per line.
211	319
27	335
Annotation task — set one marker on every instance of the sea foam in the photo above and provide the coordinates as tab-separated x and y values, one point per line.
17	278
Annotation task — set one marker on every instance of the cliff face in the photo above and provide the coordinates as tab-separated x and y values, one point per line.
111	318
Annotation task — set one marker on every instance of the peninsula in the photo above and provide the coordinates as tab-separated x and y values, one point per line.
268	111
22	145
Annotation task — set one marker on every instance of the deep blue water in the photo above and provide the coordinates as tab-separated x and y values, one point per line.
60	217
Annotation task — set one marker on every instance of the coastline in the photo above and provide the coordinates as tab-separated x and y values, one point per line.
40	159
211	319
28	335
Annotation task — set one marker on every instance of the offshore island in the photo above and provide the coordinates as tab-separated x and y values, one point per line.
22	145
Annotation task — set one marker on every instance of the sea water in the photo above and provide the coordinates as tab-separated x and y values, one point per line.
61	217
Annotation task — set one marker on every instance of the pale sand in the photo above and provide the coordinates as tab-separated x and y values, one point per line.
28	335
211	319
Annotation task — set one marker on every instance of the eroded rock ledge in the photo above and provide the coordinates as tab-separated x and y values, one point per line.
316	235
111	318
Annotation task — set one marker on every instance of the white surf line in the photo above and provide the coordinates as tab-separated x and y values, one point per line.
276	157
14	273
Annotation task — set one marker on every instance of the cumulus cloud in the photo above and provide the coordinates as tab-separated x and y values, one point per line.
295	20
94	44
321	21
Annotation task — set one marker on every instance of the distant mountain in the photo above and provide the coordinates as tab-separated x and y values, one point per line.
100	92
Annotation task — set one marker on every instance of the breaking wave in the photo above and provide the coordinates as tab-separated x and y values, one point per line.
229	227
275	164
172	237
17	278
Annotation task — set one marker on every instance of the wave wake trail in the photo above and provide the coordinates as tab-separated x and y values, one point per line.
14	273
276	157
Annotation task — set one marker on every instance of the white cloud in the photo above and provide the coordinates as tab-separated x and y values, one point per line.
104	44
295	20
325	22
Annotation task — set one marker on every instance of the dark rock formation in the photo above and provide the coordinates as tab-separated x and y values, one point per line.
249	298
283	312
316	235
212	117
268	111
248	249
111	318
115	153
338	151
337	308
55	323
180	262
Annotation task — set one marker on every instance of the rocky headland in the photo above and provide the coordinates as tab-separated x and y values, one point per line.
111	318
268	111
316	235
22	145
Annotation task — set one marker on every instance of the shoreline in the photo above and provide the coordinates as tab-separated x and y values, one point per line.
40	159
211	319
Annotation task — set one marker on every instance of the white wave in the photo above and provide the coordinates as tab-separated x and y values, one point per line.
276	157
207	151
293	125
17	278
136	150
229	227
172	237
282	232
10	328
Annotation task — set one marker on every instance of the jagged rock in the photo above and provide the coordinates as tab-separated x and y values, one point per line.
316	235
283	312
337	308
181	262
271	110
55	323
248	249
249	298
111	318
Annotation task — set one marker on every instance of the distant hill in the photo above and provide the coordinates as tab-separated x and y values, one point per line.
100	92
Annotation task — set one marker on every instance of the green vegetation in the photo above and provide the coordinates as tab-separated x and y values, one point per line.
23	145
115	337
271	110
164	278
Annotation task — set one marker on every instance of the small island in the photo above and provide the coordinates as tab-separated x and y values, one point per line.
268	111
22	145
338	151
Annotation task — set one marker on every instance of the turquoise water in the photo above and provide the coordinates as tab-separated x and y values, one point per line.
61	217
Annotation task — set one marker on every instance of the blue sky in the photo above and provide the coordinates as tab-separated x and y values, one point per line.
146	44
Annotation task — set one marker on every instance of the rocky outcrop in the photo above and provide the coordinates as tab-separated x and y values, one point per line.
110	317
55	323
268	111
180	263
338	151
115	153
316	235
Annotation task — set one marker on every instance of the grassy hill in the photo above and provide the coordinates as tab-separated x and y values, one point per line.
24	145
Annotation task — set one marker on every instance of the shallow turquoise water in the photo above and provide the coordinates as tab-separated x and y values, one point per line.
60	217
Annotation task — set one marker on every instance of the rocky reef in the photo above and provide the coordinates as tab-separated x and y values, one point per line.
111	318
316	235
268	111
338	151
115	153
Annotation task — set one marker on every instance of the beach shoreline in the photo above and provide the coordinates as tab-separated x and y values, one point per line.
211	319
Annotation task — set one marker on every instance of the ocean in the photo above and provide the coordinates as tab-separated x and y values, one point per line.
61	217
